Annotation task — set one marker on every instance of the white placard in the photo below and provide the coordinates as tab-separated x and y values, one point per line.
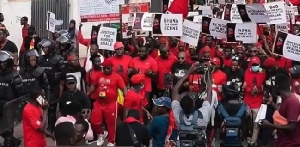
290	14
171	24
190	32
276	12
257	13
291	46
107	38
51	21
217	27
282	27
246	32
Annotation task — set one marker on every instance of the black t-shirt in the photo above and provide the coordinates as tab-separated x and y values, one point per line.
179	70
78	97
9	46
79	73
236	77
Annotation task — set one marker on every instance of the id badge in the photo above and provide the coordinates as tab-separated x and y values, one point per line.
102	94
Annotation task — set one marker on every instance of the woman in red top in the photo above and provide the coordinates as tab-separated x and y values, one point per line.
254	80
136	97
219	78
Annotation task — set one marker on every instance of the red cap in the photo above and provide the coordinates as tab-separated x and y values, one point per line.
254	60
71	57
107	63
137	79
270	62
118	45
216	61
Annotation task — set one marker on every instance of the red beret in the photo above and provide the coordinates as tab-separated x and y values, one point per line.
270	62
107	63
216	61
137	79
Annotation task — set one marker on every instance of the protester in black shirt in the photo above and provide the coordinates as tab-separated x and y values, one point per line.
8	45
180	67
73	94
73	68
234	73
123	135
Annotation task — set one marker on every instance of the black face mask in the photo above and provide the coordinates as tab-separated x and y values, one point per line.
295	76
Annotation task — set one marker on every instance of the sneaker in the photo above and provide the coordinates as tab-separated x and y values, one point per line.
101	138
110	144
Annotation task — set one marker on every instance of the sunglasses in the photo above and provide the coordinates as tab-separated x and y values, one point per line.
253	51
181	58
106	67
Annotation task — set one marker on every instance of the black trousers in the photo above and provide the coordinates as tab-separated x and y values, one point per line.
267	133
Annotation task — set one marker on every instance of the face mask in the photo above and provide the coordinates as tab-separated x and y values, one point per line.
255	68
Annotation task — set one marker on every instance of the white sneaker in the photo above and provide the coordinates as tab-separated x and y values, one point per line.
110	144
101	138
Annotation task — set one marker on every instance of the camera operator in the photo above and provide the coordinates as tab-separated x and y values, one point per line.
187	116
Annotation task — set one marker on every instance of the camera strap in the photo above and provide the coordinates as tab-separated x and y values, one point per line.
133	136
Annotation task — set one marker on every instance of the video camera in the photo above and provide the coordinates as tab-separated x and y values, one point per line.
195	138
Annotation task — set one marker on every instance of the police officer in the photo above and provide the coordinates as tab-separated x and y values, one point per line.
65	47
11	87
33	75
52	63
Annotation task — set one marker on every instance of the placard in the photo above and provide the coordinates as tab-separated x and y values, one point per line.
253	13
287	45
197	19
107	38
276	12
51	22
127	12
167	25
247	32
290	14
143	21
190	32
282	27
232	14
214	27
100	10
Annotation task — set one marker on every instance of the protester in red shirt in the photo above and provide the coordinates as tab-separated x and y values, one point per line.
35	121
219	78
24	23
209	41
181	47
92	75
164	64
191	55
145	65
283	62
135	97
155	52
205	54
121	62
105	107
195	82
295	77
173	46
227	58
254	79
288	135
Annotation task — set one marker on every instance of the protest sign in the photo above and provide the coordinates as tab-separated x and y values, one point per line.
167	25
287	45
253	13
232	14
219	14
205	11
281	27
107	38
100	10
51	21
214	27
190	32
197	19
127	12
239	2
276	12
143	21
290	14
247	32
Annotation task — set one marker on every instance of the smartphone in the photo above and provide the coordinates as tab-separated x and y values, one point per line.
40	100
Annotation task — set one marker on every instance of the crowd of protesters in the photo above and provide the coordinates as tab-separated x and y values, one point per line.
134	95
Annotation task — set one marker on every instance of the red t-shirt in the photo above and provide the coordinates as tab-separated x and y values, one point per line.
108	85
284	63
32	121
121	65
219	79
254	101
227	62
142	66
195	82
90	78
165	68
289	109
154	53
136	100
174	51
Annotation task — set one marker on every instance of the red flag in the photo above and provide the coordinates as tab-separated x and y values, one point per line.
180	7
